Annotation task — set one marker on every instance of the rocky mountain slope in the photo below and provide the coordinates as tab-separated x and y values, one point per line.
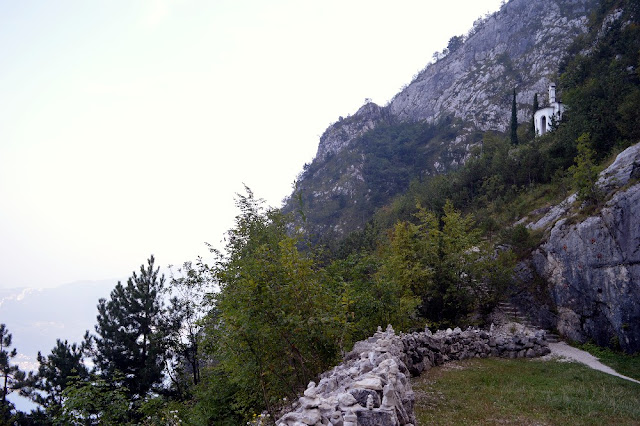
521	46
592	264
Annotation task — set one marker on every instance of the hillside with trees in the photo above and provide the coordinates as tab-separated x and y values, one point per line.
404	242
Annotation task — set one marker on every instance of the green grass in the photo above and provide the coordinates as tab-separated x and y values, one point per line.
523	392
627	365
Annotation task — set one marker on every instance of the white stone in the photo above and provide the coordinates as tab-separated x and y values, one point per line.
311	390
374	383
346	400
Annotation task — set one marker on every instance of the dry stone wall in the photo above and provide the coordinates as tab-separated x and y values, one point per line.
371	386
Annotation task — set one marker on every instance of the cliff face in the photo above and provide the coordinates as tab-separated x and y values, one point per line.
521	47
339	135
593	265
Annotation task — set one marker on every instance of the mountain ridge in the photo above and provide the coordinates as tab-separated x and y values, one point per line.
468	90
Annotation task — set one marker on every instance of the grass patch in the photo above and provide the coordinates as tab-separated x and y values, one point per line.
523	392
625	364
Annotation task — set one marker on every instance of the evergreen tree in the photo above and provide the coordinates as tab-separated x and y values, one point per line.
54	375
536	106
514	120
132	331
11	375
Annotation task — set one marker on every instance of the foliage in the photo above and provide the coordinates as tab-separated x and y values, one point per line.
396	153
55	372
189	284
96	401
455	43
447	266
602	86
132	332
278	324
514	120
519	238
585	172
215	401
10	374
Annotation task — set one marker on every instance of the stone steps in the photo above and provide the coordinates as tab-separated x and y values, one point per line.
513	314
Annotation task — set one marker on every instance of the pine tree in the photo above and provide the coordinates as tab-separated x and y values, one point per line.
514	120
11	375
132	331
55	373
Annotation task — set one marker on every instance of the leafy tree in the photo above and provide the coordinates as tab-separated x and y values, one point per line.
132	332
407	264
215	400
11	375
277	323
602	86
56	371
514	120
446	265
189	284
95	402
585	171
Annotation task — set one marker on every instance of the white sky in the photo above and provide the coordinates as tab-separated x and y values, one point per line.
127	126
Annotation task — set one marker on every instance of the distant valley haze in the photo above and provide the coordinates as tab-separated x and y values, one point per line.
127	128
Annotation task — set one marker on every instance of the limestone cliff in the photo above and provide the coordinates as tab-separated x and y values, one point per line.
521	46
338	135
592	264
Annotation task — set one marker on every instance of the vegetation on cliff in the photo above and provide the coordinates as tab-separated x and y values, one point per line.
278	305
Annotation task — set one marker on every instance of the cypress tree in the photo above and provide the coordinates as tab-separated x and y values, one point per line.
514	121
536	106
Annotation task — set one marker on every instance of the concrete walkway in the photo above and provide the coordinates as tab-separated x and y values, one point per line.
563	350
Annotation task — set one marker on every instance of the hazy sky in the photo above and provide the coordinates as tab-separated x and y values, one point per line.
126	127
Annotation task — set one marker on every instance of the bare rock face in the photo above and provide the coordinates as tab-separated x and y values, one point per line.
519	47
340	134
593	266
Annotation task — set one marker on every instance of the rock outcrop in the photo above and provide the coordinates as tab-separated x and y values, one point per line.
340	134
371	387
468	90
520	47
592	264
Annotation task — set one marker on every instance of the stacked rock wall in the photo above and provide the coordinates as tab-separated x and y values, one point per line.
371	386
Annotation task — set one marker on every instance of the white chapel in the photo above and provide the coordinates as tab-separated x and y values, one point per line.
544	118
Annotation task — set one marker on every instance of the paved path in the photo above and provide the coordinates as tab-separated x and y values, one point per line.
563	350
